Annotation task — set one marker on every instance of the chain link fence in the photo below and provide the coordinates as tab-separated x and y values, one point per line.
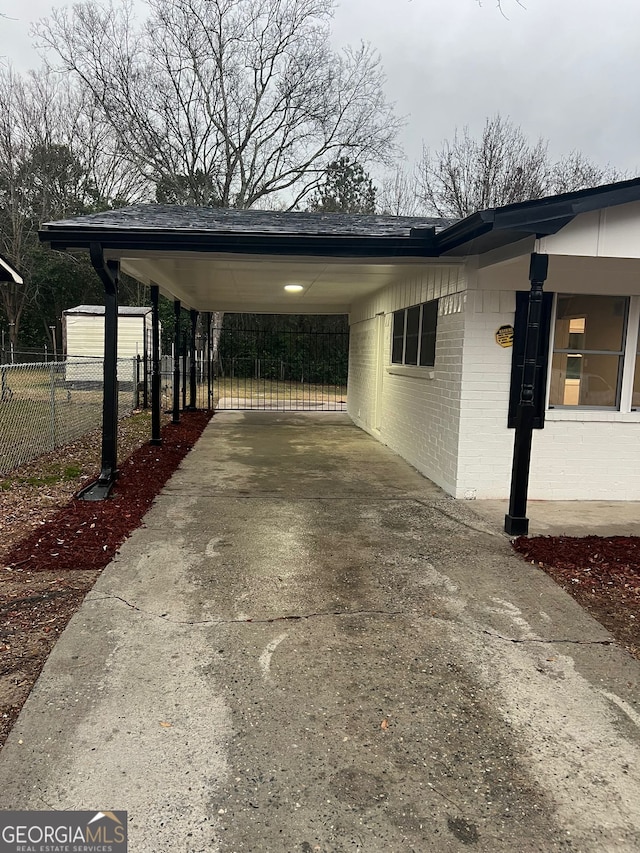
46	405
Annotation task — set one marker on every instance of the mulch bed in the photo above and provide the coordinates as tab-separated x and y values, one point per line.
47	574
87	534
601	572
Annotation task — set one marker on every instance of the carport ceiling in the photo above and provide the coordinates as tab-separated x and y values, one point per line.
256	284
241	260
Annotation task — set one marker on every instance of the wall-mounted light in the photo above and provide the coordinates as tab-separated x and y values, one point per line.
293	288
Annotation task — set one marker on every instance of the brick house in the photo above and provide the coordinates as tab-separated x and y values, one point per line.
464	335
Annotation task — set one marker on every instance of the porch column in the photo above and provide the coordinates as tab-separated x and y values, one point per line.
515	521
156	379
209	386
109	274
192	356
176	363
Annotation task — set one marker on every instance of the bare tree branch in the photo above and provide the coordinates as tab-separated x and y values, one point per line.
500	167
244	97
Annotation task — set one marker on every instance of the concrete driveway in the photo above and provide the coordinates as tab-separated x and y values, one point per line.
309	647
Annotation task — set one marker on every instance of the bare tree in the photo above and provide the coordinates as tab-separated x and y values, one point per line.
500	167
501	5
397	194
56	160
576	172
14	229
236	100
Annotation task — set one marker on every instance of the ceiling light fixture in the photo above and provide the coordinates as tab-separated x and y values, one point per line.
293	288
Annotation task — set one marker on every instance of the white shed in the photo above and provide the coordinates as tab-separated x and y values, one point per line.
83	340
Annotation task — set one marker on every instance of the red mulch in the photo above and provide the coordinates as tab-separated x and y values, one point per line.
86	535
47	574
601	573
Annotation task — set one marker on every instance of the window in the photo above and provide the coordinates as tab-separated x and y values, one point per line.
588	351
414	335
635	400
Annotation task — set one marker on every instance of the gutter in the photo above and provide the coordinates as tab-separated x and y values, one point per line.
423	244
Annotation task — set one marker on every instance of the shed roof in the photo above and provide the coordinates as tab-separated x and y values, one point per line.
98	310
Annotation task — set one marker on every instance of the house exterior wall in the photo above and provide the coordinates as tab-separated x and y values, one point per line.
486	444
451	422
415	411
580	454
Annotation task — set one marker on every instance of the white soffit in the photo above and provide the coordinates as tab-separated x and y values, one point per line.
243	283
567	274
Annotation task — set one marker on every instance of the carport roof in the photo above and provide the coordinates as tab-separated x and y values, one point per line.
248	231
216	259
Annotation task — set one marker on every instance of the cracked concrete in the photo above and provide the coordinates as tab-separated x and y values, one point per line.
310	647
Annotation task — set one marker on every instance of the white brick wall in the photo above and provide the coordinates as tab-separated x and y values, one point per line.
577	456
362	373
419	414
486	444
453	427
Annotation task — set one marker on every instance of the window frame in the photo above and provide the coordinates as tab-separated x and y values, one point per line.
404	313
627	356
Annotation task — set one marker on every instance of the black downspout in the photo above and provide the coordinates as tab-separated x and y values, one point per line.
192	364
176	364
156	379
516	522
108	273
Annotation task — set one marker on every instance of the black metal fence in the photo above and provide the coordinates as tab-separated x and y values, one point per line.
285	369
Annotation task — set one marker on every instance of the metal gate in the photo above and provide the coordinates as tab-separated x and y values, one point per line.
284	370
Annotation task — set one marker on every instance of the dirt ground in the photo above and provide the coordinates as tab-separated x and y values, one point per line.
53	547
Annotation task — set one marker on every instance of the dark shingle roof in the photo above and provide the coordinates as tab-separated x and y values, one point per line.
166	217
157	227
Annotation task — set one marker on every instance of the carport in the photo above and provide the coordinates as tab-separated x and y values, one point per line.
206	260
386	270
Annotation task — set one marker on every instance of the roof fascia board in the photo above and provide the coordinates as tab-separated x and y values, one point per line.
538	217
262	244
465	231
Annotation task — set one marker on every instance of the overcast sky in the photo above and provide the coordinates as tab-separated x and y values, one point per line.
566	70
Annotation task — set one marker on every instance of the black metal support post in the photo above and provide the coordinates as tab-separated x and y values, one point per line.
209	384
108	273
156	379
145	372
184	373
192	360
516	522
176	364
